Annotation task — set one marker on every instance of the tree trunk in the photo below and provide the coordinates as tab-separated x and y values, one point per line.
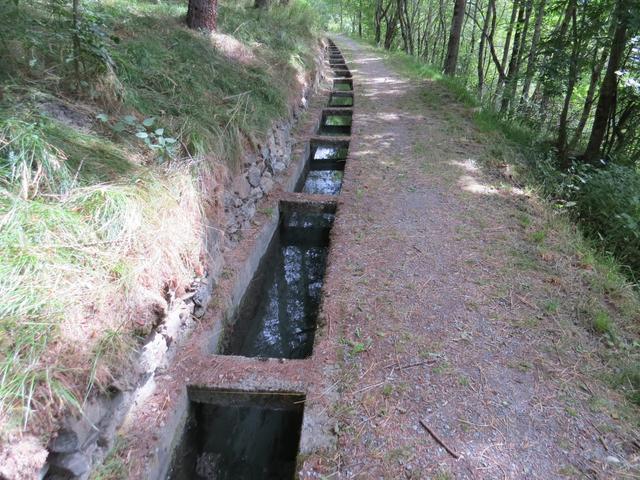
261	4
390	33
524	14
377	22
455	33
507	42
481	49
561	143
76	43
591	92
202	14
533	51
609	86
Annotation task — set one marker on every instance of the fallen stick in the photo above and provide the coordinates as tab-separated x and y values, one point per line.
439	440
410	365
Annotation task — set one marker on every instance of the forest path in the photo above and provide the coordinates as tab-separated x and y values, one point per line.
460	300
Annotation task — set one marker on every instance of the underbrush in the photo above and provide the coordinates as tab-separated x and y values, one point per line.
107	154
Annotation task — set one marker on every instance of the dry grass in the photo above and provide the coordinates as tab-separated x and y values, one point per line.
80	276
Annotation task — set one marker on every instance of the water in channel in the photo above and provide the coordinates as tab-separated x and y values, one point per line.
277	315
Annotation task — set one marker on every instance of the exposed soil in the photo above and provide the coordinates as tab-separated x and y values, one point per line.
440	307
451	314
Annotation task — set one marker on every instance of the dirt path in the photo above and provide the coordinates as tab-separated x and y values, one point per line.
459	304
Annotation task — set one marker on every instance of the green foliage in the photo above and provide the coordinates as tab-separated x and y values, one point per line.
608	205
628	379
602	323
153	138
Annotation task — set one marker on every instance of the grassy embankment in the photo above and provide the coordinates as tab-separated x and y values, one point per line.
108	167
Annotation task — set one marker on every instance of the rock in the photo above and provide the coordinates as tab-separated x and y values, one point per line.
241	186
256	193
248	211
66	442
250	159
153	354
278	167
254	176
75	464
22	457
266	184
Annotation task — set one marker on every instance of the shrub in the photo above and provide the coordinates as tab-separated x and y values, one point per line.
608	205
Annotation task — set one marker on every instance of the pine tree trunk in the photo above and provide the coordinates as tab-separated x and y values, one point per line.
455	33
202	14
609	86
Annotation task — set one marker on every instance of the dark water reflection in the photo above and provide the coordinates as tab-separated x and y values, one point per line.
237	443
277	316
323	182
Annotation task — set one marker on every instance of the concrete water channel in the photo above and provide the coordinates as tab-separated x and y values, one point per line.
255	433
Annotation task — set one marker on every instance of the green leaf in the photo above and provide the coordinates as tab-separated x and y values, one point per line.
159	131
103	117
129	119
147	122
170	140
119	127
142	135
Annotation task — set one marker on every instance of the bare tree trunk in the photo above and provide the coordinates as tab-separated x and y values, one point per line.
427	32
202	14
481	49
507	42
76	43
471	50
390	33
561	143
455	33
405	26
609	86
533	51
524	14
591	92
379	15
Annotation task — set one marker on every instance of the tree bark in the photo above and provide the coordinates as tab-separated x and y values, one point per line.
533	52
609	86
202	14
561	143
522	27
392	26
481	49
596	70
455	33
507	42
